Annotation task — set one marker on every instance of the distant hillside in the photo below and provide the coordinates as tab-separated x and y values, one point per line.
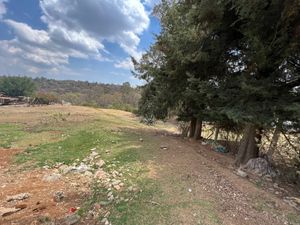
91	94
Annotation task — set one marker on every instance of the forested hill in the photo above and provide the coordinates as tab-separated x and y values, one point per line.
91	94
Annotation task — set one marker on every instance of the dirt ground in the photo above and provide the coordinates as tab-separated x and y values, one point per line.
210	176
187	170
40	205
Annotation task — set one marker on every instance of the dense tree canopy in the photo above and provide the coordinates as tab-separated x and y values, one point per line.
229	62
17	86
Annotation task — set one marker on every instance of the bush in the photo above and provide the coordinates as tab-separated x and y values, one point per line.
17	86
45	98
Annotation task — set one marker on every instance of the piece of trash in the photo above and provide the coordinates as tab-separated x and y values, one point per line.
190	190
72	210
221	149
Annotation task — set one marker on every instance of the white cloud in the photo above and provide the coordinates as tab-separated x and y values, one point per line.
27	34
125	64
75	28
2	8
119	21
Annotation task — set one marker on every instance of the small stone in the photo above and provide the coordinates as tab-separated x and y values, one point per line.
163	147
130	188
100	174
88	174
104	220
94	154
104	203
52	177
72	219
141	139
107	214
117	187
58	196
97	206
241	173
18	197
82	168
100	163
190	190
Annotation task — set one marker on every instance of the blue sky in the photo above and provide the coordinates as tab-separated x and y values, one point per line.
75	39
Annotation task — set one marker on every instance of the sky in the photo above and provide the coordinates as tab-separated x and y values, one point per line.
75	39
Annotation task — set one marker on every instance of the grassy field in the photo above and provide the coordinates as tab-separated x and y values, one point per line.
176	186
61	135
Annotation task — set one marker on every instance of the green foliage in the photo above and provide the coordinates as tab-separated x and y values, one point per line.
123	97
45	98
17	86
231	62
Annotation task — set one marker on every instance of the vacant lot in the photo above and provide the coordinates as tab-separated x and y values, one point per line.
110	169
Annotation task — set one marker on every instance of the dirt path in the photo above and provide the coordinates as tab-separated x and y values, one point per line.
40	205
197	174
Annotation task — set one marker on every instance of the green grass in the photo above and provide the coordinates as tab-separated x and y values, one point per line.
74	146
9	134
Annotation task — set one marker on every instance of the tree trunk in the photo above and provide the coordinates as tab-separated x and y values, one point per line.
185	131
198	130
274	141
192	127
217	133
248	148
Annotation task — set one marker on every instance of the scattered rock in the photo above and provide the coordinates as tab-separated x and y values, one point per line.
100	174
52	177
241	173
104	203
94	154
163	147
88	174
293	201
117	187
66	169
72	219
8	211
58	196
82	168
18	197
259	166
141	139
100	163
